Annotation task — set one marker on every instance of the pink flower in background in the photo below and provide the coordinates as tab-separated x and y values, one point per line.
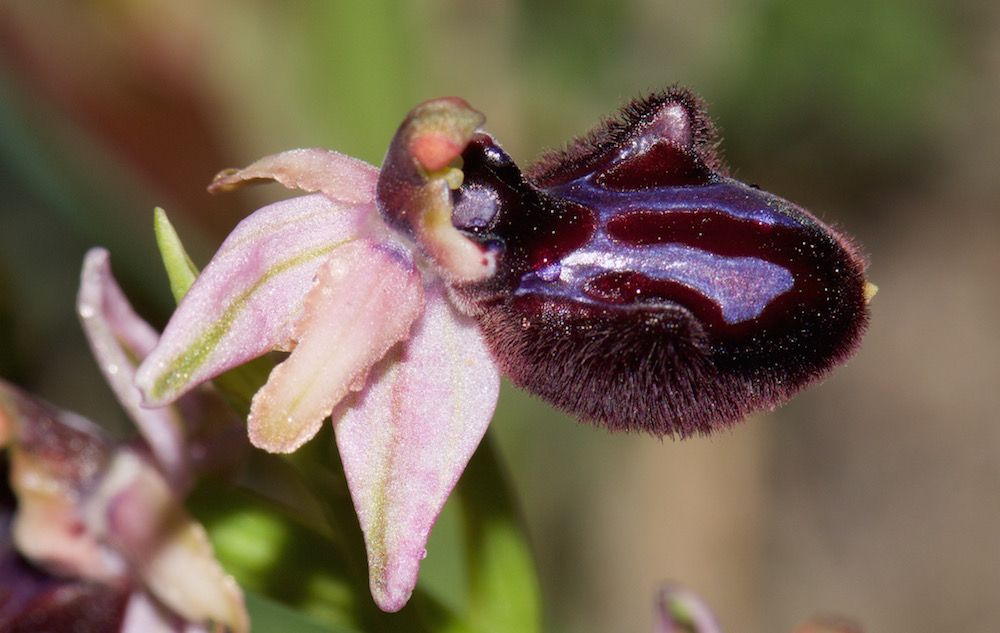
679	610
107	518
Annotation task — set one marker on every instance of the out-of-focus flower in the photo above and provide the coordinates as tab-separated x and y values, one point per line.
101	522
828	625
628	280
679	610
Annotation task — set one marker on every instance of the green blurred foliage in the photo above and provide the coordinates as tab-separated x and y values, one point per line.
828	92
567	40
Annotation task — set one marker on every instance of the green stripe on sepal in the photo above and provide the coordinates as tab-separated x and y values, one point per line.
186	363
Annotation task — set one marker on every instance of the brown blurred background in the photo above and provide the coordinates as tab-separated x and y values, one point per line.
875	494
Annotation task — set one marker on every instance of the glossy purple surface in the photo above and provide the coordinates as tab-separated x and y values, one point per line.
721	240
534	229
641	287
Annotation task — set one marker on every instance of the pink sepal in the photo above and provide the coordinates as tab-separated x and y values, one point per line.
407	438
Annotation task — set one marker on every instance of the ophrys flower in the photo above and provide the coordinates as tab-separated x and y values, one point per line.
628	280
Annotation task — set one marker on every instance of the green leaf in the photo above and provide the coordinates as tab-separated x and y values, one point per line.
280	552
181	271
270	552
269	616
504	592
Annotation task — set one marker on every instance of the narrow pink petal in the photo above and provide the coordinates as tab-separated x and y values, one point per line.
407	438
135	510
365	298
340	177
245	301
117	336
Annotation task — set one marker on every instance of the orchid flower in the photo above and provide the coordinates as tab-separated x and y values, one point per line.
107	518
628	280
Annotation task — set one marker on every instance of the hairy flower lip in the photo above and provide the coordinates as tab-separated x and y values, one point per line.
753	297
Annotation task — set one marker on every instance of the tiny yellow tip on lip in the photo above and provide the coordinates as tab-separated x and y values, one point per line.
451	175
870	291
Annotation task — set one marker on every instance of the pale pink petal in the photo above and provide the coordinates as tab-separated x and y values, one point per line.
144	615
136	512
365	298
682	611
245	301
406	439
337	175
117	336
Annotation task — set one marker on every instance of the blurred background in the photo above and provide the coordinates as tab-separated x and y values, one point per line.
875	494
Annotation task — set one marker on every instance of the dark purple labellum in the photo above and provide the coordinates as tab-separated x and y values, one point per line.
640	287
